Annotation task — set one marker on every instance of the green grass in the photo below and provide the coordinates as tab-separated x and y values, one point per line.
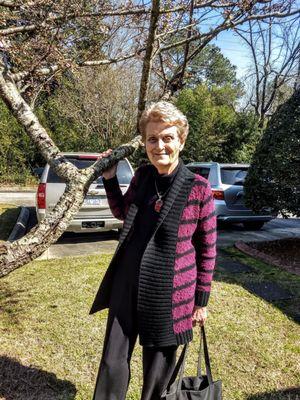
50	346
8	216
266	272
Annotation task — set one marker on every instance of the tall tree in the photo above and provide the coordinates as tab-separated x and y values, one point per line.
209	66
275	52
99	103
39	40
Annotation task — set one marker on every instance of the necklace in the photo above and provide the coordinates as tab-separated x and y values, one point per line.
159	202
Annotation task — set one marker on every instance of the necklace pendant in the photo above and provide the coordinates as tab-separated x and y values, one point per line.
158	205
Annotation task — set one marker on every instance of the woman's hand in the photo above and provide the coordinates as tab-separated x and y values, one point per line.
199	316
111	172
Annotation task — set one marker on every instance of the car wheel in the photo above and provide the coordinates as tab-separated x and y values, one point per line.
253	225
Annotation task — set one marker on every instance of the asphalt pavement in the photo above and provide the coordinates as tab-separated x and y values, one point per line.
80	244
71	244
19	198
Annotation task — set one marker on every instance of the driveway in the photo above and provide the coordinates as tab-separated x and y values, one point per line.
71	244
98	243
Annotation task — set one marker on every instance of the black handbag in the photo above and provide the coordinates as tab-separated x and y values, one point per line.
200	387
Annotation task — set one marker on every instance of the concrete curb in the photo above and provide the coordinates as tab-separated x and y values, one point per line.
250	251
17	190
20	226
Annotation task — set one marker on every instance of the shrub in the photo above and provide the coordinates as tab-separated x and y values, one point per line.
274	175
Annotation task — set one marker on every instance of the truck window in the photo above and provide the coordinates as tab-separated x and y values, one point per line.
124	173
203	171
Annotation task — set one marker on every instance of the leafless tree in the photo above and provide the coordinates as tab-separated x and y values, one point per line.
275	51
41	39
102	101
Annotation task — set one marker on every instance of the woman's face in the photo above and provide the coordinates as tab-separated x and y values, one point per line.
163	146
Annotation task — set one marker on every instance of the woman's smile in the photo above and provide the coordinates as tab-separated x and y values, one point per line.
163	146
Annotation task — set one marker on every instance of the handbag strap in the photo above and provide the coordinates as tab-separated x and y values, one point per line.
206	357
180	365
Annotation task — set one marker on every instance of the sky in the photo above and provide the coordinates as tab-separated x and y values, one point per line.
233	47
235	50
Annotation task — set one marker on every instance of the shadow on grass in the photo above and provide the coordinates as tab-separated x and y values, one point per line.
7	221
286	394
19	382
10	303
258	273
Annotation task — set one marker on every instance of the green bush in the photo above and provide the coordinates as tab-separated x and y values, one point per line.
217	131
18	155
274	176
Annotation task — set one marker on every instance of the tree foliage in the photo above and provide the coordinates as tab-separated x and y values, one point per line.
209	66
217	131
274	176
18	156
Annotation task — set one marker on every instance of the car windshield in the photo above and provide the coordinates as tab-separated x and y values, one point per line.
124	173
203	171
233	176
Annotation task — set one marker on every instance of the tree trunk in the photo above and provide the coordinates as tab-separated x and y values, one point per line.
148	59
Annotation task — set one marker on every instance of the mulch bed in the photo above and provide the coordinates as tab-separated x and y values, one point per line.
284	253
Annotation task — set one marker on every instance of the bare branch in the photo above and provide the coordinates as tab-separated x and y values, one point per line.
148	59
19	76
136	11
17	29
9	4
187	47
273	57
110	60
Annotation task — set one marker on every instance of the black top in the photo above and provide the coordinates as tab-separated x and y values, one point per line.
139	236
154	304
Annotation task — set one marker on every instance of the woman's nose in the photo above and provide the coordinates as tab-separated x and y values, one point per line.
160	144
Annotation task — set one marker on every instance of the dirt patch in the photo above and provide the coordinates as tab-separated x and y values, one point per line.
284	252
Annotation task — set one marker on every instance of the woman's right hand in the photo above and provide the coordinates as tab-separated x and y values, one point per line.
111	172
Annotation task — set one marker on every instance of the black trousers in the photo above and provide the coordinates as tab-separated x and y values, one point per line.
120	338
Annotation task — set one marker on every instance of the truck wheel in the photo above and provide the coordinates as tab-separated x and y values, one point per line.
253	225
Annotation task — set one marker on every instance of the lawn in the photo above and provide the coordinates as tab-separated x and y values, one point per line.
50	346
8	216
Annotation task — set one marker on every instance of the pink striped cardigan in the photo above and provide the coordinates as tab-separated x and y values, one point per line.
177	266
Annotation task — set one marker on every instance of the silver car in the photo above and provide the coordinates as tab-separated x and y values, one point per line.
227	182
95	214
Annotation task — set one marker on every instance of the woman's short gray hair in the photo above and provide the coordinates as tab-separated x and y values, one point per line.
163	111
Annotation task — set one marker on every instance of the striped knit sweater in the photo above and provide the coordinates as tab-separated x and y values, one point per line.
177	266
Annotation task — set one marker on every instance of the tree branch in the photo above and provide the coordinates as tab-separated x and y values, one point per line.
147	63
26	249
17	29
9	4
124	12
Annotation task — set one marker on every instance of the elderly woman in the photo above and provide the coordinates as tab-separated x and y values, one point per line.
158	283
